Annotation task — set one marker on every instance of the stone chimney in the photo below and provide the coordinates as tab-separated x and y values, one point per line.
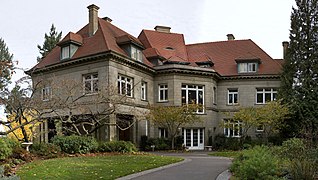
93	19
163	29
285	47
230	37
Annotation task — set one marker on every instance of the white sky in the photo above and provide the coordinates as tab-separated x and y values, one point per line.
267	22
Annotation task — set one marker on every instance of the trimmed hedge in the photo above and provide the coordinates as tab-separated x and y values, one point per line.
117	146
48	150
75	144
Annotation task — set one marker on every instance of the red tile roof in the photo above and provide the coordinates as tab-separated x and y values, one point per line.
102	41
224	53
171	47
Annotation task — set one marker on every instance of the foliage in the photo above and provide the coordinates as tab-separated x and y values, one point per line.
301	158
173	117
117	146
50	41
5	149
75	144
271	116
22	115
96	167
257	163
221	142
45	149
6	65
299	82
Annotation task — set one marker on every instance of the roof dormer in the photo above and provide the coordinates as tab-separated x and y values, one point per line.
248	64
131	45
69	45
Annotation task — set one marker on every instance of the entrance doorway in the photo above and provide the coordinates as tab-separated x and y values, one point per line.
193	138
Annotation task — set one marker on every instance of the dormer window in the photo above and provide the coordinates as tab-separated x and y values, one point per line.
136	54
205	64
70	43
248	64
68	51
250	67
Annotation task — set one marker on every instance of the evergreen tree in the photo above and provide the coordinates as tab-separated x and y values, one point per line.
299	80
50	41
6	66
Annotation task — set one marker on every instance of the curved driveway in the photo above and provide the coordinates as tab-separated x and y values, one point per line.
197	165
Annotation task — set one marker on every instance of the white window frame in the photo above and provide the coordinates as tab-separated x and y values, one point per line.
163	90
125	85
92	81
232	128
260	128
263	92
232	93
250	67
136	54
143	91
66	52
46	93
197	89
162	133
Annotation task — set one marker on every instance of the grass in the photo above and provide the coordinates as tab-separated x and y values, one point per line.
230	154
97	167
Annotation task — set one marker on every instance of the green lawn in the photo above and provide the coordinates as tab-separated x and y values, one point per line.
230	154
98	167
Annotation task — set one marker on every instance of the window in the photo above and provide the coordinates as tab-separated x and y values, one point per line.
136	54
260	128
247	67
65	52
163	133
232	97
90	83
232	128
163	92
68	51
46	93
265	95
143	91
125	85
193	94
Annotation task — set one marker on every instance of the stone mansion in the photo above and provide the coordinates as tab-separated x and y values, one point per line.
158	68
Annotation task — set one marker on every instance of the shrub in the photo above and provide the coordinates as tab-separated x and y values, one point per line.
21	153
48	150
159	143
117	146
5	149
256	163
3	177
301	159
221	142
75	144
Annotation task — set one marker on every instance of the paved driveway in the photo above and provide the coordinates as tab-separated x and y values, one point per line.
198	165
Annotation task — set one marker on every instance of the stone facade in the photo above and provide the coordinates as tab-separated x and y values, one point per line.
157	67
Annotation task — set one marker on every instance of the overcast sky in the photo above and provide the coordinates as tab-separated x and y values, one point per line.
267	22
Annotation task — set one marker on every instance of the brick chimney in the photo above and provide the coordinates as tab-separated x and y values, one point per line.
93	19
163	29
285	47
230	37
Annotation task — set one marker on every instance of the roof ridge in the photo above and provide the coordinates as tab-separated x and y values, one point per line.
161	32
103	33
211	42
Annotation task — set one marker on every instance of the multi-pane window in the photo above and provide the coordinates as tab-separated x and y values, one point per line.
247	67
264	95
232	128
163	133
136	54
232	97
143	91
125	85
260	128
163	92
193	94
46	93
90	83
